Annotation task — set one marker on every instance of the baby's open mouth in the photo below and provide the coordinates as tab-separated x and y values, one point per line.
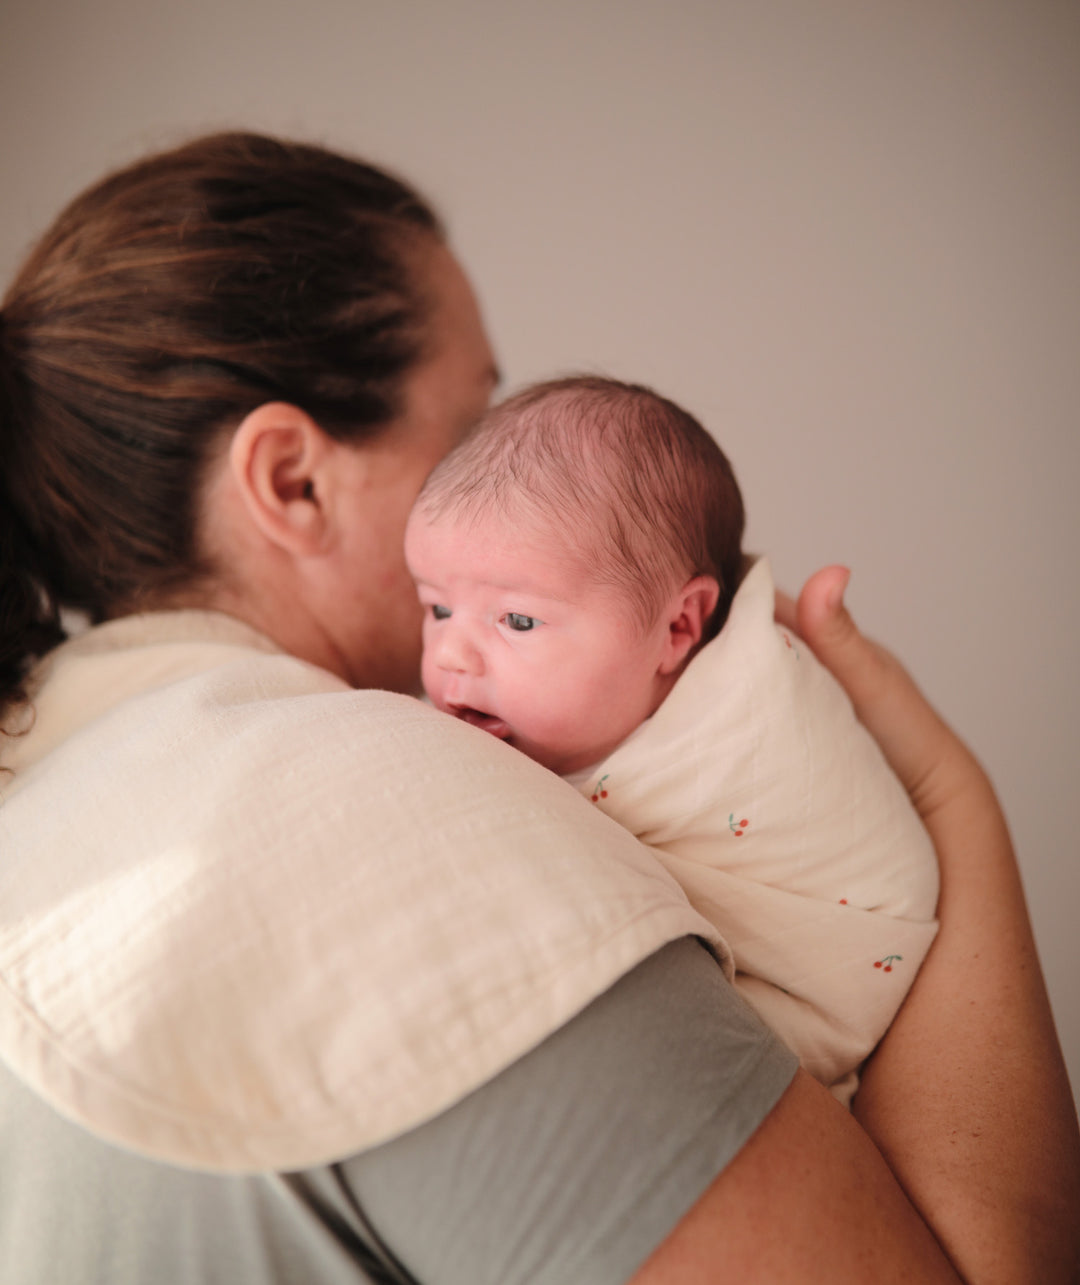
477	718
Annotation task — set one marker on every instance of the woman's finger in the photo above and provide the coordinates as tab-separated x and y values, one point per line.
919	746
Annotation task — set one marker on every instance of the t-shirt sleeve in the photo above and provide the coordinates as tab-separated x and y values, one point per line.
577	1161
571	1165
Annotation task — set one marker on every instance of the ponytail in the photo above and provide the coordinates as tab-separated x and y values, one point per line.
29	623
29	619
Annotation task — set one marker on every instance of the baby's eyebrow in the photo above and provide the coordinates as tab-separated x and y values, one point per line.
526	588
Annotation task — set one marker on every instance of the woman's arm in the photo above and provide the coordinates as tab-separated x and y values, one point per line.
967	1096
967	1162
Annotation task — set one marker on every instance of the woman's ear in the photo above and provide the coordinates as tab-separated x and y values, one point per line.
277	458
688	614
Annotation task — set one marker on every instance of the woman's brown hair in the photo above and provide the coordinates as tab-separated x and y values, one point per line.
163	305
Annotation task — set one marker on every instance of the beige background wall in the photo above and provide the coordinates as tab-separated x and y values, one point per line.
845	234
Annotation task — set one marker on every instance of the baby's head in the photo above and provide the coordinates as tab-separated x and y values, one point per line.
571	554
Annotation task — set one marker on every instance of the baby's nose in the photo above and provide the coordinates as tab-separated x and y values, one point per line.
456	651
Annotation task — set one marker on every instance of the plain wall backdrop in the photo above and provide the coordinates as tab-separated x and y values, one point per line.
845	235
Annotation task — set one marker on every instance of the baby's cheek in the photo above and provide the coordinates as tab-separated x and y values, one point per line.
429	676
559	724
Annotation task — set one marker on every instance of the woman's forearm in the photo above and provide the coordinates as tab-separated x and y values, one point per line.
967	1096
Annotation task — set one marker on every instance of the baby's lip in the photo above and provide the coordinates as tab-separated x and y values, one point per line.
477	718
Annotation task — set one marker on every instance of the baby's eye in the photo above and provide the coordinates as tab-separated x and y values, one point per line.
439	612
519	623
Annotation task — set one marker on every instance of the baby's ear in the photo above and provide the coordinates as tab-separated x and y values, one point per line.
688	615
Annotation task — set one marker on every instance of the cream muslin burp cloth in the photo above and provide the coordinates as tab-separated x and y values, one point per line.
251	919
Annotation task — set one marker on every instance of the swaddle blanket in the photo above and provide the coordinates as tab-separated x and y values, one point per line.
251	919
776	812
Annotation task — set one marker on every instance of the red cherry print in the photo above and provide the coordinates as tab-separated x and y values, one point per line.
744	824
888	968
843	901
877	963
603	794
595	797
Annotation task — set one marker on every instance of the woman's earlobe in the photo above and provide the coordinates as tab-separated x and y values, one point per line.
275	458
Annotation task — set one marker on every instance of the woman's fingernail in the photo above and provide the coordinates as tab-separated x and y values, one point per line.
835	597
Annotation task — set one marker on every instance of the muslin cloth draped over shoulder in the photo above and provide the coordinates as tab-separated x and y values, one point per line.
252	919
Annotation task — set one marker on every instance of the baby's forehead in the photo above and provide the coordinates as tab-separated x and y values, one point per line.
533	534
571	549
552	556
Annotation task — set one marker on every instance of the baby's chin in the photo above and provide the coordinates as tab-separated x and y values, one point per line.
579	761
563	762
499	728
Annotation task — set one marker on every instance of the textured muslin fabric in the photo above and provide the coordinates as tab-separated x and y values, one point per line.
252	919
775	810
571	1165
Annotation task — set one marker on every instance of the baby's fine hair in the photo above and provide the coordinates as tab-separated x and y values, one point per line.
636	483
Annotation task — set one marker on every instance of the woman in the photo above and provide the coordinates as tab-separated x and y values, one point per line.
304	982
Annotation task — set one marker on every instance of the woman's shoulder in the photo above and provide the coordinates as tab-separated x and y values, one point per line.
666	1074
370	907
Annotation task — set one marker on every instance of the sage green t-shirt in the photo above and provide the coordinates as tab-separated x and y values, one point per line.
568	1168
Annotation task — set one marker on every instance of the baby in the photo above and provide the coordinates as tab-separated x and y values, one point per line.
580	565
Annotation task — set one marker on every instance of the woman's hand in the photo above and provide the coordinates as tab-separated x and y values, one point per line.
926	755
967	1096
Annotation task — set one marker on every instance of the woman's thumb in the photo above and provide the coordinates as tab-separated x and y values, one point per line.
859	665
885	699
823	619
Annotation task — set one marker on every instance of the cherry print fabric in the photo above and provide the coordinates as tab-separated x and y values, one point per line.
776	812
